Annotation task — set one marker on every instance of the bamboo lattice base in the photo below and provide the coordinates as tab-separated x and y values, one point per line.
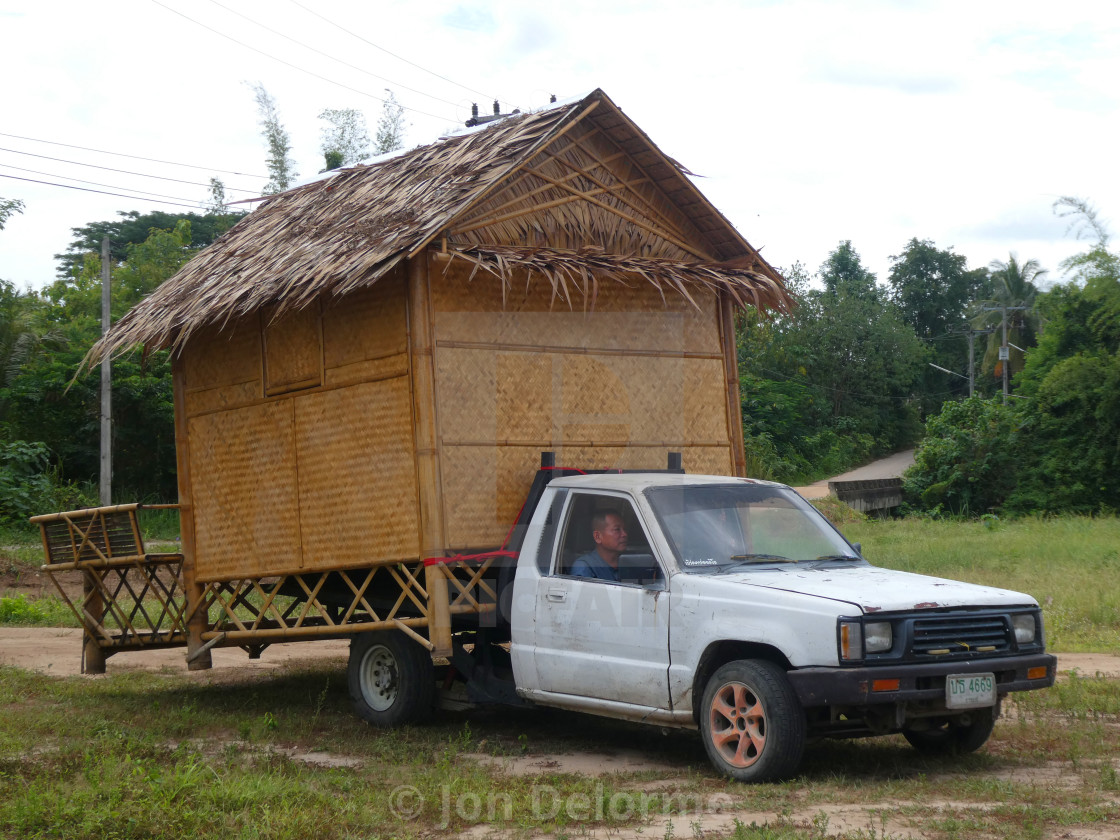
136	600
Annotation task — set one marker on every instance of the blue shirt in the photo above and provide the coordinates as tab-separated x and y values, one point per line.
592	565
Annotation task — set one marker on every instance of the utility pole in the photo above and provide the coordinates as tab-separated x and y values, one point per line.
1004	350
106	488
971	334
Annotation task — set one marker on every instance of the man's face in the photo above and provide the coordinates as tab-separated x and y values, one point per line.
612	536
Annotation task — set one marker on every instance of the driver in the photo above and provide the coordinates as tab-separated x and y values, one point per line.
611	539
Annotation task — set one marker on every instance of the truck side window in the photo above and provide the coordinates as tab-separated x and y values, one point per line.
548	535
622	552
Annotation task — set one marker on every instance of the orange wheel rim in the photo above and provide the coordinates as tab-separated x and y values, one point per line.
738	725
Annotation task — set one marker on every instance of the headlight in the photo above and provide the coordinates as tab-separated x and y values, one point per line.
858	638
1026	628
877	636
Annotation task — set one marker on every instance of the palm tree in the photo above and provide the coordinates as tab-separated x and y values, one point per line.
1014	288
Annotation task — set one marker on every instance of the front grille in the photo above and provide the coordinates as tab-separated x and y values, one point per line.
960	634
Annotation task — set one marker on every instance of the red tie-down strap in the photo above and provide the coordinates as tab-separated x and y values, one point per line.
468	558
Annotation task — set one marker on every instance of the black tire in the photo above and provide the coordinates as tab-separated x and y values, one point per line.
957	735
751	722
392	679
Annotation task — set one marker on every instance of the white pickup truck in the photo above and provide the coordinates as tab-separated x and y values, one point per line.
739	610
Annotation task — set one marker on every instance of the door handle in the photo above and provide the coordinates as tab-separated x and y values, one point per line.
557	594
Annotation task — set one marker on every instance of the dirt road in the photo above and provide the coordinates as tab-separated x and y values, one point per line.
52	650
893	466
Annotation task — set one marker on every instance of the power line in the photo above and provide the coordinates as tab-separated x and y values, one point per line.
83	181
194	206
786	377
387	52
289	64
124	171
331	57
135	157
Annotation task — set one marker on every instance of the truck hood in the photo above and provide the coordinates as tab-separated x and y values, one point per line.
877	590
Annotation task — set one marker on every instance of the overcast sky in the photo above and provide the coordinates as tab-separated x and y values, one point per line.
810	122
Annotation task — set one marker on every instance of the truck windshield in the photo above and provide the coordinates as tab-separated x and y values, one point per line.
715	528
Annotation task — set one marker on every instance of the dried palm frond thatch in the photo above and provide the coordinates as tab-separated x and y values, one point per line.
573	273
564	177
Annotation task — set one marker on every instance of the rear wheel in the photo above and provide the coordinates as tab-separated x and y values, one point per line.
752	723
392	679
957	735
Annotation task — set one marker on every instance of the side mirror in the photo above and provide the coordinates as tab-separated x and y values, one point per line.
859	548
638	568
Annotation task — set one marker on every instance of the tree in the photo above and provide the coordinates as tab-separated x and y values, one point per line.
281	167
389	136
843	272
42	402
1072	383
8	208
934	289
832	383
133	228
1057	450
345	140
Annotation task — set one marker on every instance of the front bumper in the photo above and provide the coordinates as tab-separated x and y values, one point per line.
917	681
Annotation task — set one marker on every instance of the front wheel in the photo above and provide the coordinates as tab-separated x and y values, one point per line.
392	679
953	736
751	721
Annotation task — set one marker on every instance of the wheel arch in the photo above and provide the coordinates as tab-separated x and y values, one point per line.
719	653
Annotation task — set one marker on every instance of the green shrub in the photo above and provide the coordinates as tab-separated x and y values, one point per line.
29	485
44	612
968	461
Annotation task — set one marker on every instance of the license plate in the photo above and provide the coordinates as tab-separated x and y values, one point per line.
970	691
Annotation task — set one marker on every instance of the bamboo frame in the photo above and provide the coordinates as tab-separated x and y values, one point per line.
731	373
105	545
678	234
232	617
533	193
489	221
426	429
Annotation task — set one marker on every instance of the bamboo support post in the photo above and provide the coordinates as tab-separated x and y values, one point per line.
731	372
427	450
197	659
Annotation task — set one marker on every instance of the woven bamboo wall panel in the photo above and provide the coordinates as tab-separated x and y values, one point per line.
293	351
489	485
549	399
630	317
704	401
370	370
225	397
218	358
244	478
367	324
708	460
357	475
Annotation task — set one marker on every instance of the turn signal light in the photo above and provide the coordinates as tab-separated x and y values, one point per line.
1036	673
884	685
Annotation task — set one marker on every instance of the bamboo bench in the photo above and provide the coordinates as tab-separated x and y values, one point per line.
132	599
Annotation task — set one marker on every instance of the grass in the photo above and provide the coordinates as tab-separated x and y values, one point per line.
170	755
1067	563
173	755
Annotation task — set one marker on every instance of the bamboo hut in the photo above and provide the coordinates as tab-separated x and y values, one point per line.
367	367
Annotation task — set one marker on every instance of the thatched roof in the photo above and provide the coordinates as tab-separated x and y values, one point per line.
515	193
